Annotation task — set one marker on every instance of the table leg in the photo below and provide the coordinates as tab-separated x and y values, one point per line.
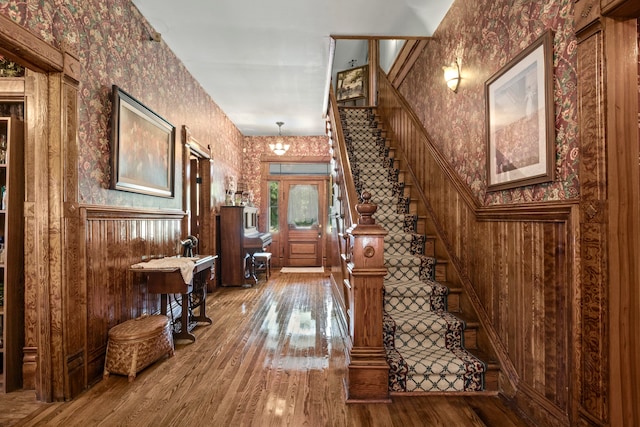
199	298
163	304
184	332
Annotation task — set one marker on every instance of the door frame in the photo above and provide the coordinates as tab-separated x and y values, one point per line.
197	182
263	221
52	221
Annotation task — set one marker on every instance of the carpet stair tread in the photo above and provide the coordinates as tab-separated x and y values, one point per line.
424	343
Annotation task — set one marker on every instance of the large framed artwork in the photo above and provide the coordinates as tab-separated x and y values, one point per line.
351	84
520	119
142	148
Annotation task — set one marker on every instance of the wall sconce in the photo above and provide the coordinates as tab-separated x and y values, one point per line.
452	75
279	147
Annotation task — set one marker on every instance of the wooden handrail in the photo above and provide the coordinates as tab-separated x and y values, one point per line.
350	196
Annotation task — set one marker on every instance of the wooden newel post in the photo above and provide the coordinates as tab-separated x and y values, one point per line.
368	371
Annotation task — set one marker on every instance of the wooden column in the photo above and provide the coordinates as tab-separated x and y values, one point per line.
368	372
623	216
66	267
374	64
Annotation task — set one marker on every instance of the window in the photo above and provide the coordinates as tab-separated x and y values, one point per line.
274	215
299	169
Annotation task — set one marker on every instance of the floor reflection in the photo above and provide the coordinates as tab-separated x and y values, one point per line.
300	340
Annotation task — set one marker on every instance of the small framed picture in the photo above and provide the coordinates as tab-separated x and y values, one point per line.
351	84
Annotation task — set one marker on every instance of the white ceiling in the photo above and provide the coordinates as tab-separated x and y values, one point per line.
268	61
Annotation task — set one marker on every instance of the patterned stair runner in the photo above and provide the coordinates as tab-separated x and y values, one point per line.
424	343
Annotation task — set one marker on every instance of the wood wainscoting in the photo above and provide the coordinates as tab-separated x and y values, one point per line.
114	240
515	263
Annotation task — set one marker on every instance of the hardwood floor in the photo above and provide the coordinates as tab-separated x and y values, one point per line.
274	356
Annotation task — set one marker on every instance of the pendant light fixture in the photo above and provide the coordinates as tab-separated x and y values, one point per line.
279	147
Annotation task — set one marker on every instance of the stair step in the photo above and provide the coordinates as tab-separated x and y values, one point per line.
470	331
415	288
430	246
439	369
453	300
492	370
441	270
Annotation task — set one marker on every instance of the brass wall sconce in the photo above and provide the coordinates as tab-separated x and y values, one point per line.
452	75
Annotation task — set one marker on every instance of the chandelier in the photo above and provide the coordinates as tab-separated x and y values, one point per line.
279	147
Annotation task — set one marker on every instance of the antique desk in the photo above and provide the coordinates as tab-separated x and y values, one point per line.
185	276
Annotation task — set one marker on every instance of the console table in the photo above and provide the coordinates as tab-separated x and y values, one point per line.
187	276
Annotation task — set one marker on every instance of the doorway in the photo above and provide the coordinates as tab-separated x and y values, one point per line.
298	237
304	210
197	182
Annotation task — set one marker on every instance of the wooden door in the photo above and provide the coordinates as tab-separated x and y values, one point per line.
195	196
303	214
198	174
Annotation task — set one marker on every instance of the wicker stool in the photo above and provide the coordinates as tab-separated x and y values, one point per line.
135	344
262	262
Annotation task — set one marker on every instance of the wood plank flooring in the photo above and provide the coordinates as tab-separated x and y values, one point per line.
274	356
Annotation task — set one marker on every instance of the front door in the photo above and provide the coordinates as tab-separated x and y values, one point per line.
302	222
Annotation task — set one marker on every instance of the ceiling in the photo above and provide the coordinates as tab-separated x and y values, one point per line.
269	61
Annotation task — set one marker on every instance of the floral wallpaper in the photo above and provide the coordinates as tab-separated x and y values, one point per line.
255	146
111	39
485	35
10	69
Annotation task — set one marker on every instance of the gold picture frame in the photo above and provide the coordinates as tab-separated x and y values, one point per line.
142	148
351	84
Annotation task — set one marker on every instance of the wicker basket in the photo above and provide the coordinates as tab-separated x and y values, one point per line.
135	344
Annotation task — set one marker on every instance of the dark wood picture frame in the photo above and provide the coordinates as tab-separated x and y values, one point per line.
142	148
520	119
352	84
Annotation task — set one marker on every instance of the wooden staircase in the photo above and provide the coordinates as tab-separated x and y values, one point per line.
457	304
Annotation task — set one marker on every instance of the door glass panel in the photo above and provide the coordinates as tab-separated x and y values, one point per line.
302	211
274	216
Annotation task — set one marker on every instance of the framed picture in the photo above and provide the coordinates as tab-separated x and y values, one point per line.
351	84
142	148
520	119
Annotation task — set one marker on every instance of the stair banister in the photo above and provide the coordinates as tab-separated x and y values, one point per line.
347	199
346	184
362	260
367	371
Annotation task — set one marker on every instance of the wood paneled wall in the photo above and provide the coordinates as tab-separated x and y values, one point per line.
113	241
515	262
607	388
